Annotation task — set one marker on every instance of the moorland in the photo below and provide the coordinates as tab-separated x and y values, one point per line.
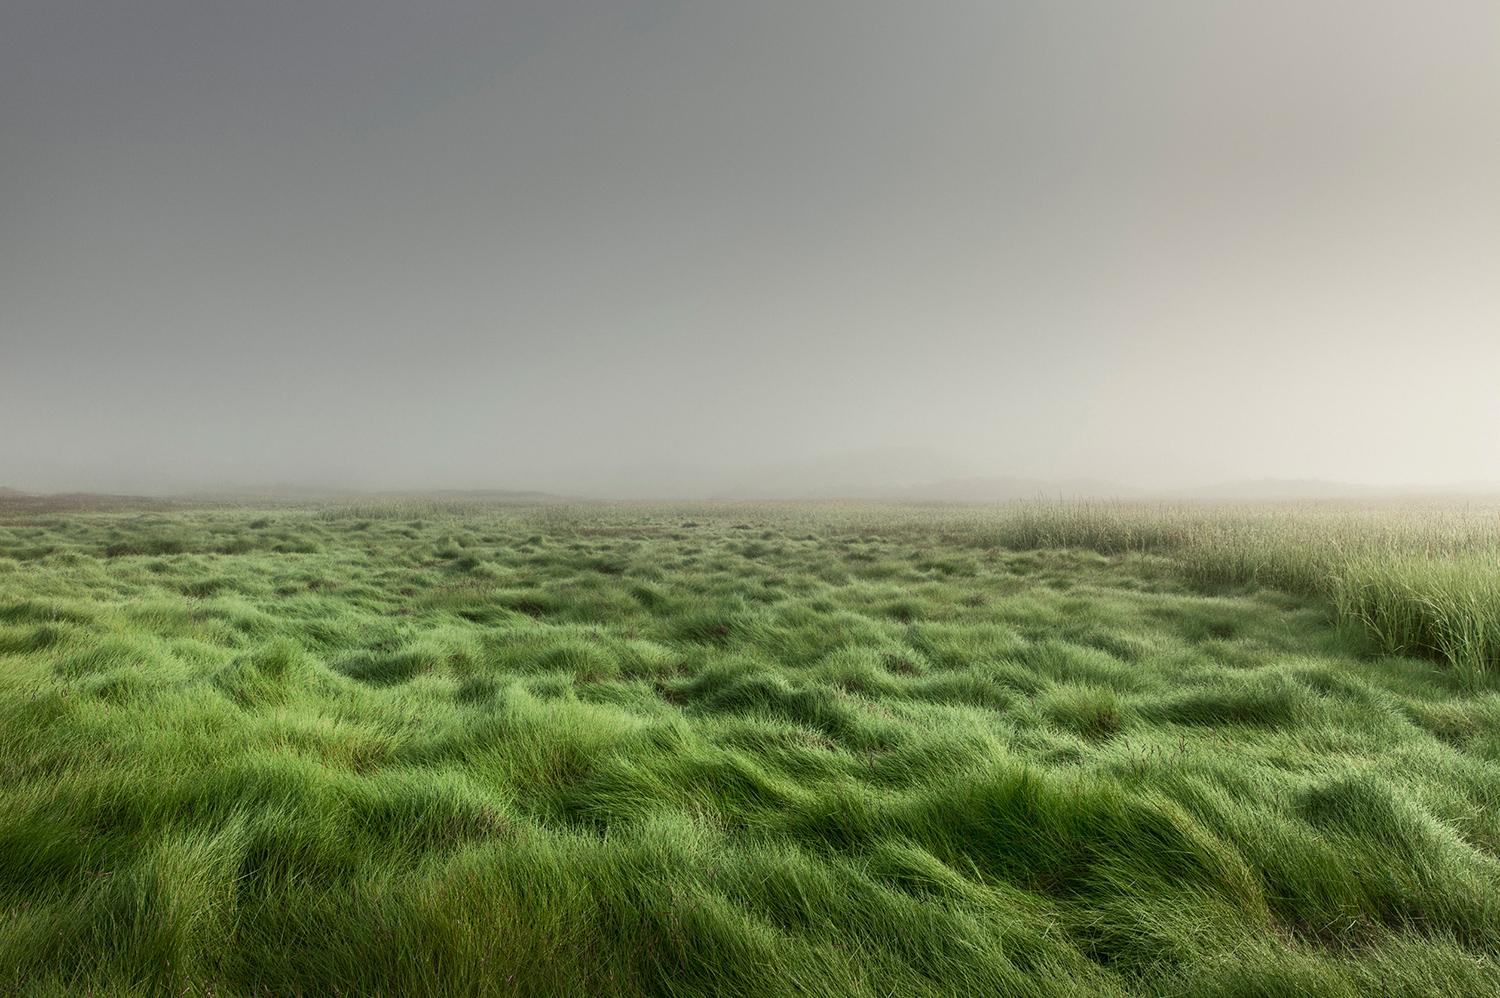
413	746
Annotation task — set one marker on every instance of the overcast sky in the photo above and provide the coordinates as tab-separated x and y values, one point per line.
629	246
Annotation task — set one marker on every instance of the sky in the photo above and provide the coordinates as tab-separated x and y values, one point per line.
661	247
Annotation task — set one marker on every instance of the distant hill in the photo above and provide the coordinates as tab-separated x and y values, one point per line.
490	495
1267	489
899	476
1281	489
1009	489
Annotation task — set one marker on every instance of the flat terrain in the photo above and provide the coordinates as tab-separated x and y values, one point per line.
417	747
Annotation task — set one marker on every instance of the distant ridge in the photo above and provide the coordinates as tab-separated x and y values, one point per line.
973	489
980	489
503	495
1286	488
1280	489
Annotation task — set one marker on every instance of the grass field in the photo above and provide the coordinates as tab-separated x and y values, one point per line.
416	747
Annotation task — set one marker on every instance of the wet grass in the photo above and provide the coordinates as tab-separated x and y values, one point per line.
452	748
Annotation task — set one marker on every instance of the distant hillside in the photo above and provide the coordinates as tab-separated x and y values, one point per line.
1009	489
1283	488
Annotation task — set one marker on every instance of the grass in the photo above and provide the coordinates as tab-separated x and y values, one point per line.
418	747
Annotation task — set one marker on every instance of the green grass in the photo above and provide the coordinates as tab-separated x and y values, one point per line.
418	747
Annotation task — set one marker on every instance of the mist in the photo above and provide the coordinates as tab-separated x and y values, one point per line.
660	248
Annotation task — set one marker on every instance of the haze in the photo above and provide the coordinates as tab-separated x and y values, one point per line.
656	248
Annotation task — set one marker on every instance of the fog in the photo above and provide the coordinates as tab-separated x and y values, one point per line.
673	248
